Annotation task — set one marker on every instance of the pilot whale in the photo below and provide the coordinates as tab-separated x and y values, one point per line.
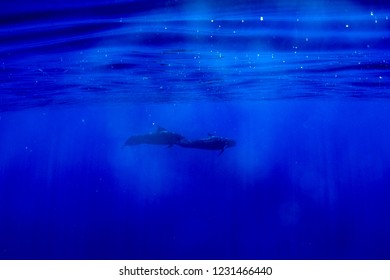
210	143
160	137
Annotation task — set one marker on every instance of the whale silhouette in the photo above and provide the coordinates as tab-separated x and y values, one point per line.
210	143
160	137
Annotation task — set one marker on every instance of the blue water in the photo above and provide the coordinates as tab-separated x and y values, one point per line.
303	87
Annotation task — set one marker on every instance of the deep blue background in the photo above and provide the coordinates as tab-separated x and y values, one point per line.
304	92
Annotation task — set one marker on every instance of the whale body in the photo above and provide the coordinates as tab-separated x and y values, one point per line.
160	137
209	143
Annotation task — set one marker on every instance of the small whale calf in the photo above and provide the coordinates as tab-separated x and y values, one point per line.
210	143
164	137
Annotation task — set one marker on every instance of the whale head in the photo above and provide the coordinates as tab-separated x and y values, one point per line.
230	143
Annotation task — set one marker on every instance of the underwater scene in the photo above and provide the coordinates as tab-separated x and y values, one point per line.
194	129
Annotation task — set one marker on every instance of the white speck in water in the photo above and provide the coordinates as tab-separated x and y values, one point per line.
297	19
347	25
212	20
380	77
372	13
165	28
242	20
261	18
234	31
376	21
307	39
387	18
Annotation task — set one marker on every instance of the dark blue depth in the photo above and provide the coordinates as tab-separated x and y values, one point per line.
302	87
